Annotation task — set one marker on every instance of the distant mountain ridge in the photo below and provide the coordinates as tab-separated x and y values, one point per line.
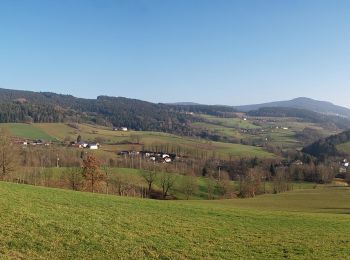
323	107
184	104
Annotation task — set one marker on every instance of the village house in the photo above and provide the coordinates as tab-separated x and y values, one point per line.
297	162
152	156
124	129
93	146
81	144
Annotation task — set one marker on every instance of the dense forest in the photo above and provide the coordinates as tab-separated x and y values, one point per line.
26	106
327	147
46	107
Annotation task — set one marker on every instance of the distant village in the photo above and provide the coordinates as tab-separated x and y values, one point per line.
152	156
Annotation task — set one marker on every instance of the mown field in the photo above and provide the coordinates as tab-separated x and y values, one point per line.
47	223
27	131
345	147
117	140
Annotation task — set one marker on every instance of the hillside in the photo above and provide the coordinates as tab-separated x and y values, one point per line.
51	223
302	103
335	145
44	107
304	114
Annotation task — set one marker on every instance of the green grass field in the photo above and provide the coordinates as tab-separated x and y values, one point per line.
47	223
30	131
345	147
229	122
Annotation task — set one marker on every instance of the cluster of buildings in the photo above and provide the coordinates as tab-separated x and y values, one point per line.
82	144
124	129
33	142
152	156
344	166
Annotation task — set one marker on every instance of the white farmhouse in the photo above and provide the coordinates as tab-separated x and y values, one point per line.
93	146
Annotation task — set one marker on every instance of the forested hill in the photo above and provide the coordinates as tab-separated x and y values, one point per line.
28	106
323	107
327	147
39	107
306	115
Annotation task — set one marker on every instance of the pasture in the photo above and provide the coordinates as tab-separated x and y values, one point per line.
29	131
46	223
345	147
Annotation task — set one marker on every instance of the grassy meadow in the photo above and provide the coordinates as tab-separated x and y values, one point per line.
44	223
345	147
29	131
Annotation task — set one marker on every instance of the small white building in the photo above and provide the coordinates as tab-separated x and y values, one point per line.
93	146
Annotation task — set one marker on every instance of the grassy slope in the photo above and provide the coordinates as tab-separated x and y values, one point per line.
48	223
229	122
345	147
30	131
230	127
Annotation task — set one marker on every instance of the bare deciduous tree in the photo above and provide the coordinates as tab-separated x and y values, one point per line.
280	181
167	182
74	177
189	186
250	182
211	187
224	184
8	154
150	177
107	171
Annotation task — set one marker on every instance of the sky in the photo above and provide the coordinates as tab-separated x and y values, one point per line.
228	52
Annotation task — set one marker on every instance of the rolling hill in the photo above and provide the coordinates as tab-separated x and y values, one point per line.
61	224
323	107
335	145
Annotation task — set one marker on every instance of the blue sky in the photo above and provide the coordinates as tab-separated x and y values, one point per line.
207	51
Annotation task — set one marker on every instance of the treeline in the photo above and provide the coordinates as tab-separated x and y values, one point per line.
327	147
306	115
214	110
